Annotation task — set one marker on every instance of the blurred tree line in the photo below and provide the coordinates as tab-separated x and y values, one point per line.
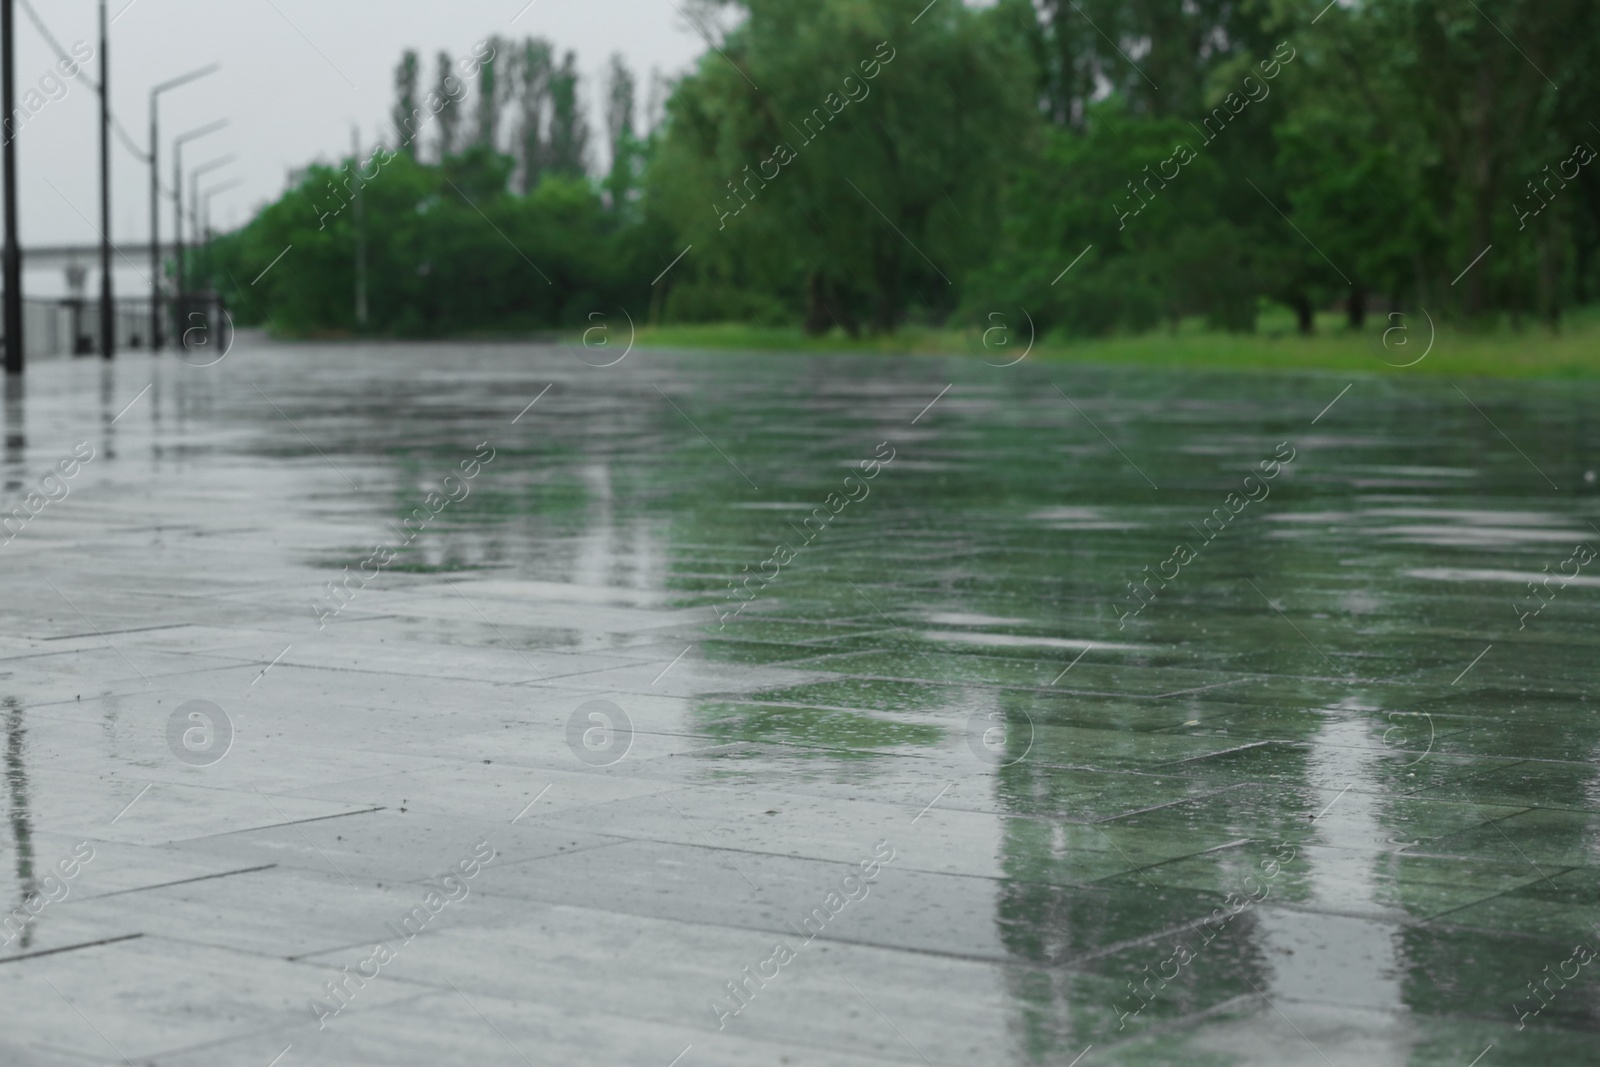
863	164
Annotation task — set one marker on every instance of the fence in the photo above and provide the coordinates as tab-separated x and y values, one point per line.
52	328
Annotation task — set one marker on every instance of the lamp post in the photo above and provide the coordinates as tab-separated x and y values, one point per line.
205	210
194	191
155	199
12	267
361	230
177	196
108	306
195	231
205	237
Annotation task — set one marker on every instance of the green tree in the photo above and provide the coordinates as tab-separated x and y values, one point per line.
405	107
451	252
865	163
566	152
535	68
621	96
1489	95
449	90
493	92
1158	56
1138	199
858	176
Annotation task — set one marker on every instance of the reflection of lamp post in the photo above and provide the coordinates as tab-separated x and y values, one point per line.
155	201
177	195
77	275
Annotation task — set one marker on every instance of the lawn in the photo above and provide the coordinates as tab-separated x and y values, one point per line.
1385	346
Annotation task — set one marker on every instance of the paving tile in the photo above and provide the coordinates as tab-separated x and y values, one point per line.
1337	674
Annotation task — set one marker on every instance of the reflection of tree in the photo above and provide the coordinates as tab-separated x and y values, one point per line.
956	538
21	826
1047	922
830	733
549	499
1526	917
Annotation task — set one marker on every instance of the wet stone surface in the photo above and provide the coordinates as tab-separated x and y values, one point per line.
469	704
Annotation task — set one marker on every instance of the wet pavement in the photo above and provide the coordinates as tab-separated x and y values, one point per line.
422	704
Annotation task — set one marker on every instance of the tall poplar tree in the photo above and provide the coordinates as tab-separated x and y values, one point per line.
451	92
621	91
534	69
494	89
405	104
569	127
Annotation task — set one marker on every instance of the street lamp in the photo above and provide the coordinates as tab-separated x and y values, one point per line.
205	202
194	196
12	265
194	191
203	225
155	200
177	195
108	303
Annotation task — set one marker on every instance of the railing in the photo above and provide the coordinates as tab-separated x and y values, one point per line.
66	327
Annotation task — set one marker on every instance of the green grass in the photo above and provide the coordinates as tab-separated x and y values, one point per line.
1496	351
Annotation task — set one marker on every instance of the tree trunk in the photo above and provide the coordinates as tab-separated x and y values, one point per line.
886	301
824	309
1357	307
1304	313
818	319
1481	175
1550	278
658	301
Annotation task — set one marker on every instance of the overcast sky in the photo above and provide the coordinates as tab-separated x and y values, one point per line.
295	75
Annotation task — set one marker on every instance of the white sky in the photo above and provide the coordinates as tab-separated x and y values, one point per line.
288	104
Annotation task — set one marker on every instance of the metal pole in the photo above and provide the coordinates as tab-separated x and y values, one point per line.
177	240
196	238
13	254
195	232
177	211
205	215
156	340
361	236
108	307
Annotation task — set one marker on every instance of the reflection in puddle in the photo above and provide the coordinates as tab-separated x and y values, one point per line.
1344	951
1482	574
1020	641
21	823
1145	787
16	433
